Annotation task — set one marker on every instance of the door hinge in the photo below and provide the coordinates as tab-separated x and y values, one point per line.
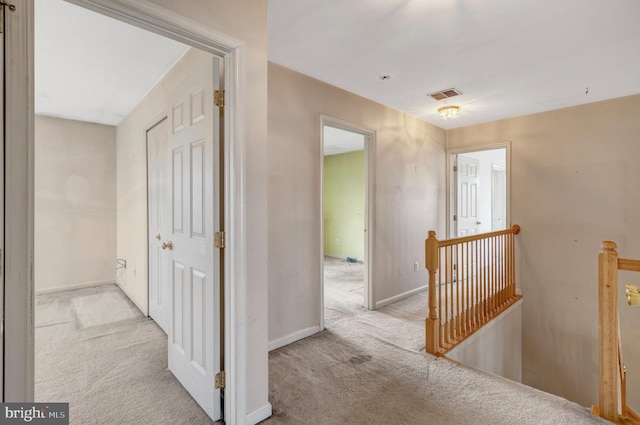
220	380
455	217
455	168
218	98
2	6
219	240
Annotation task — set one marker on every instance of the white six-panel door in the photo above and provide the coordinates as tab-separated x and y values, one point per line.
194	268
468	183
158	204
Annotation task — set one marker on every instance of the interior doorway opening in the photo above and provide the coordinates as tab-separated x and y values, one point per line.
346	220
479	190
75	193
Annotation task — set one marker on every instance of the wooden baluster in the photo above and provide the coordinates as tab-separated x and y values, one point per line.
509	269
608	318
496	275
476	310
449	277
484	280
460	288
507	263
439	296
463	288
431	263
513	263
458	284
488	274
469	287
516	230
503	280
498	285
493	277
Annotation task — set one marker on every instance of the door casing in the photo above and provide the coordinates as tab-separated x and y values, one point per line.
18	202
2	215
19	330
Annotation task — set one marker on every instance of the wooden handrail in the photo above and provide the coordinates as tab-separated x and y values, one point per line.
471	281
629	265
612	385
456	241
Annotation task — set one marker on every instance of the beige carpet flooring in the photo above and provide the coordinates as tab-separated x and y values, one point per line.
369	368
96	351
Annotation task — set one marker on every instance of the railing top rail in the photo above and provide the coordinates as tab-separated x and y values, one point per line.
629	265
456	241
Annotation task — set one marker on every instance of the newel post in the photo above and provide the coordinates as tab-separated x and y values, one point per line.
431	263
608	330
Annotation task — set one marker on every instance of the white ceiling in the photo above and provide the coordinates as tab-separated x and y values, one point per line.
509	58
92	68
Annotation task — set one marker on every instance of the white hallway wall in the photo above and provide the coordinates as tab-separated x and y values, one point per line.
246	20
574	184
75	198
410	195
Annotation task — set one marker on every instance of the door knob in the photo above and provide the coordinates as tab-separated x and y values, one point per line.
158	237
167	245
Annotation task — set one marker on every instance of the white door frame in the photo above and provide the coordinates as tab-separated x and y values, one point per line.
451	182
19	175
2	217
497	169
19	331
369	211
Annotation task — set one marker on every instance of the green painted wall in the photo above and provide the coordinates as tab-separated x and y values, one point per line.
344	205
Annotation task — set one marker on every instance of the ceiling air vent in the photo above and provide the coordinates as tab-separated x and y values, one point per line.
445	94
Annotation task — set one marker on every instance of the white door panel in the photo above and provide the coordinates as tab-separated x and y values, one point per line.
157	141
468	224
193	161
468	181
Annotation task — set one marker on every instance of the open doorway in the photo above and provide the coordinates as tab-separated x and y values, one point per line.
91	308
479	189
346	220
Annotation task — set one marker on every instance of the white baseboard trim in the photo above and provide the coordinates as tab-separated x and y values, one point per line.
74	286
296	336
399	297
259	415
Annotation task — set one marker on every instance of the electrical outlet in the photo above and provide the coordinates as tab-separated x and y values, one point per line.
415	266
337	241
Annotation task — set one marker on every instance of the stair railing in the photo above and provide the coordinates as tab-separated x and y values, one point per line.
612	386
471	280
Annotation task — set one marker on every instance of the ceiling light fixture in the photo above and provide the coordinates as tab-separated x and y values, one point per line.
448	112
